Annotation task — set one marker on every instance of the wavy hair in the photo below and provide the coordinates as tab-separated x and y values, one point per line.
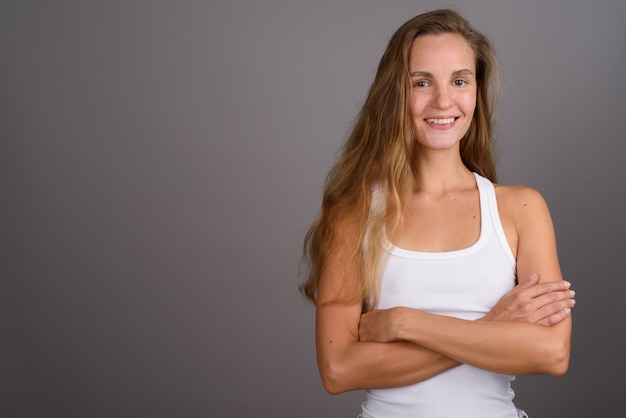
377	160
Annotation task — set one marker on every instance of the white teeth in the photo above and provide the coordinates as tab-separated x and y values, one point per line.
440	121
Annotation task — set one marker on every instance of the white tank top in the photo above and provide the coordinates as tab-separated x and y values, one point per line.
466	284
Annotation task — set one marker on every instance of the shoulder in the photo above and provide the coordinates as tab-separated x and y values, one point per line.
518	195
521	204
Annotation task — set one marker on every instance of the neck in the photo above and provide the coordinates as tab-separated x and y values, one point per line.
440	171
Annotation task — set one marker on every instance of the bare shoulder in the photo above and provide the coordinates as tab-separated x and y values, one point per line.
521	204
518	195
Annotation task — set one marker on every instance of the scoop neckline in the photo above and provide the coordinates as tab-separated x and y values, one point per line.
462	252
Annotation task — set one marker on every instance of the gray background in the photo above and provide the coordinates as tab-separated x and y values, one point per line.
161	161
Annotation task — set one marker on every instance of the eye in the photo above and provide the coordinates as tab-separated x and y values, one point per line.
420	84
459	83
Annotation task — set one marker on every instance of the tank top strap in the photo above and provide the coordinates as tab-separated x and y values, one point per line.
490	216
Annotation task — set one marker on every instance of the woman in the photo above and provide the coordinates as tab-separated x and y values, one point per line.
415	254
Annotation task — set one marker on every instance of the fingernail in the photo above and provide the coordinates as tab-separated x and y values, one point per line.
573	302
567	284
568	311
572	293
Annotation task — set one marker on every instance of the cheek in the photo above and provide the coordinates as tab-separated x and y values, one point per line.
469	103
415	107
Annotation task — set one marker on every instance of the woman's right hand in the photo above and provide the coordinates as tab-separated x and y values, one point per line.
538	303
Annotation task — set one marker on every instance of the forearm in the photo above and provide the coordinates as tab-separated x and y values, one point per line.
366	365
500	346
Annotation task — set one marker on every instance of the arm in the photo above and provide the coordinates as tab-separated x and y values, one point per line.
501	346
344	362
347	362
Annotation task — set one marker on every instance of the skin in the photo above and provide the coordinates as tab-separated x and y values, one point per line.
440	92
400	346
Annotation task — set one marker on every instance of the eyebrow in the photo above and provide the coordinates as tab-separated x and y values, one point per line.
454	73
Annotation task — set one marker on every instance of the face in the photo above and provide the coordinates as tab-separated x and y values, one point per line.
443	89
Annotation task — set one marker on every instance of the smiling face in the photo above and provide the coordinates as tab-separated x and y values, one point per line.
443	89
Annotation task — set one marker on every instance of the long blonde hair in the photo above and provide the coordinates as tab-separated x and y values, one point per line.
378	154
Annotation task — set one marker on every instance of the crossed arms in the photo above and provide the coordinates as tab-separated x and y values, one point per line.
526	332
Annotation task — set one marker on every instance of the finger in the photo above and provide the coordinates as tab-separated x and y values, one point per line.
550	297
528	283
536	310
556	317
548	287
554	312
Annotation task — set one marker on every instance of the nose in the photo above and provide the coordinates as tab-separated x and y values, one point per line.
442	99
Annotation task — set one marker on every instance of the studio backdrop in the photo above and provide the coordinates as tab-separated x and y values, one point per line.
161	162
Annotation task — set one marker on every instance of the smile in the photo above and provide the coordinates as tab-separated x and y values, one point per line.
441	121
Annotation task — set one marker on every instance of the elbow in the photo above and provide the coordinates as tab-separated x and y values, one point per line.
558	360
559	367
333	378
332	387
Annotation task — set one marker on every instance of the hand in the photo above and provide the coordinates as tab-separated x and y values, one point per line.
379	325
538	303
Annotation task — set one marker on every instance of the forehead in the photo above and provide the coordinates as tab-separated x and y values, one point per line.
448	51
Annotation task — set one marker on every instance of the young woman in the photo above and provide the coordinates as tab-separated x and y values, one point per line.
433	285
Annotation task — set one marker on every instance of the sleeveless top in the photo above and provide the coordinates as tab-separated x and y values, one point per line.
466	284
